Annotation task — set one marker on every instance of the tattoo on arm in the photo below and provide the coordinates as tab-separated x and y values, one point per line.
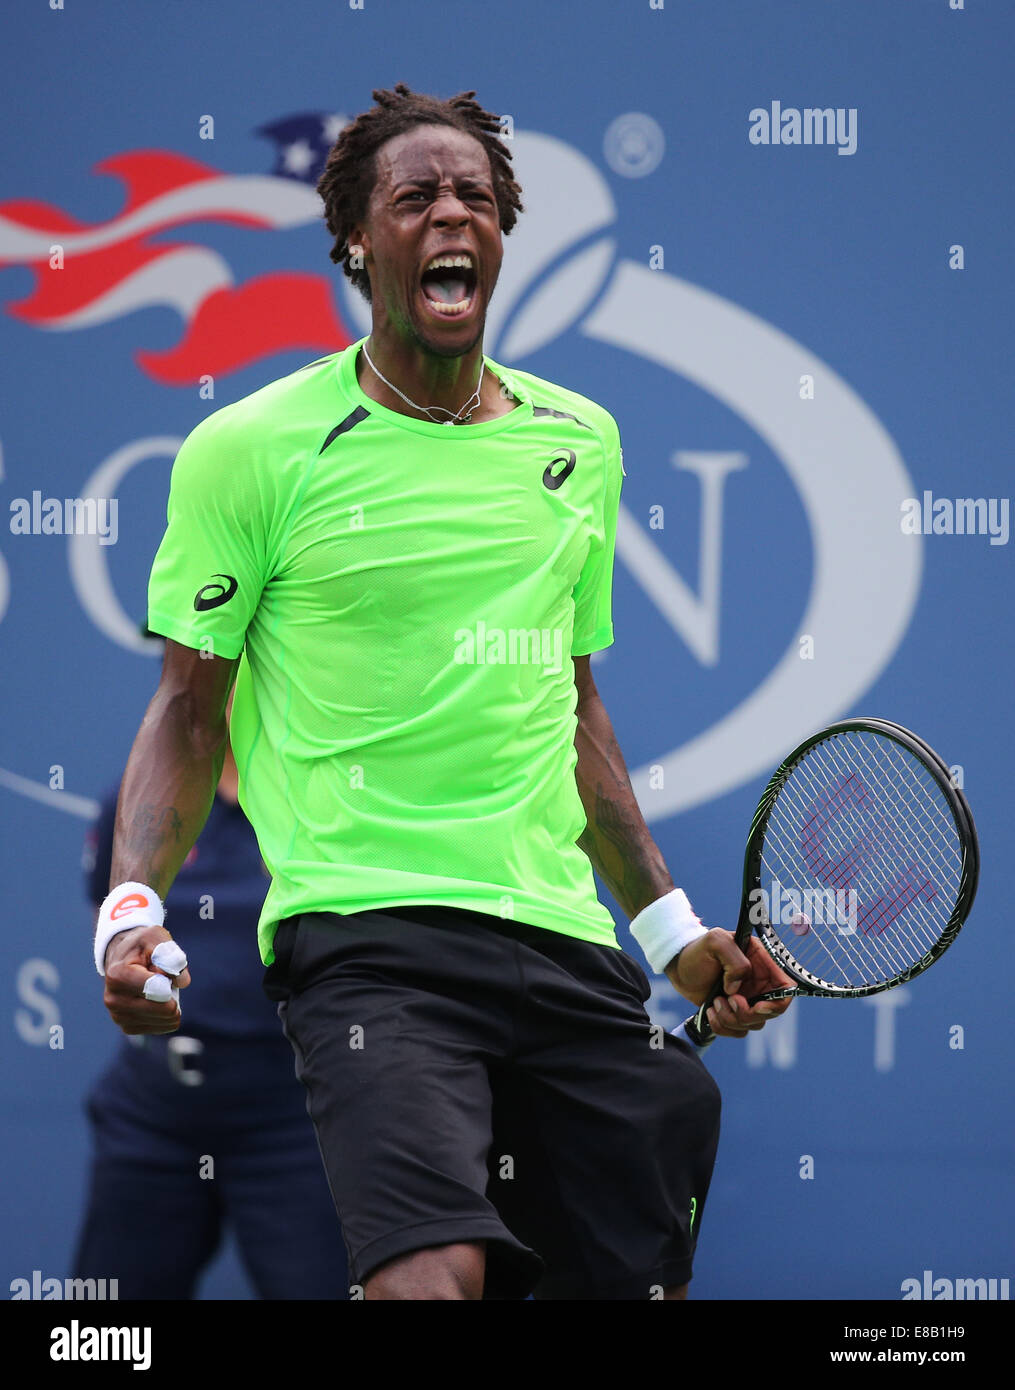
147	834
616	838
612	842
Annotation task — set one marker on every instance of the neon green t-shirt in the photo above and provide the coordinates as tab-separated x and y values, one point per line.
406	597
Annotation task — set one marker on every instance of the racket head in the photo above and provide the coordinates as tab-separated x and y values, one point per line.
862	861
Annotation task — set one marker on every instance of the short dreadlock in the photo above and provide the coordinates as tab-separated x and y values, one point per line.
350	171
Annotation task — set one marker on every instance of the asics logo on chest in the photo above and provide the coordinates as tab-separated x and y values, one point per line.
559	469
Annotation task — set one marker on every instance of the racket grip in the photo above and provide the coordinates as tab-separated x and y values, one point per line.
697	1026
697	1029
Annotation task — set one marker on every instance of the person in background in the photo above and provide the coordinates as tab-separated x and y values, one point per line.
206	1130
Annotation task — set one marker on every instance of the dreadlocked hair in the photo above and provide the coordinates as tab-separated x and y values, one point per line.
350	170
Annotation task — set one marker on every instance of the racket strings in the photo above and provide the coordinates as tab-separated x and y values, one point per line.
920	849
880	853
838	789
919	830
848	961
860	826
862	952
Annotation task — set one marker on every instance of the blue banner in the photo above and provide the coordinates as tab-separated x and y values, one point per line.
770	237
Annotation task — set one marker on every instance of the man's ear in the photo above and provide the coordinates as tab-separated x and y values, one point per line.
359	248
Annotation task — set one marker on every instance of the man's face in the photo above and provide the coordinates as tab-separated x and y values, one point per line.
433	197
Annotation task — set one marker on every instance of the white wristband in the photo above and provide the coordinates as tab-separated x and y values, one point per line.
129	905
665	927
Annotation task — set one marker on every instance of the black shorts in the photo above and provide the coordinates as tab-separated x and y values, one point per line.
478	1080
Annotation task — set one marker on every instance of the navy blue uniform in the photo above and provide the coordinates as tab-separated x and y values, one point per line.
207	1128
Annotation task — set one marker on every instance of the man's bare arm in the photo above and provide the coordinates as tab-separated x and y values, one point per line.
165	797
628	860
173	769
616	838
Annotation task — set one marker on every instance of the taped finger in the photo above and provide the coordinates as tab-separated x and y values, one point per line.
159	990
169	957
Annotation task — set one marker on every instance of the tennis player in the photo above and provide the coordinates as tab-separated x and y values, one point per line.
402	556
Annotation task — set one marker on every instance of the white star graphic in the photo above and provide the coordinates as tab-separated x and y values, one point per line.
298	157
331	128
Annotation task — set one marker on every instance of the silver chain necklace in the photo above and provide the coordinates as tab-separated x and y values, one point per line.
460	419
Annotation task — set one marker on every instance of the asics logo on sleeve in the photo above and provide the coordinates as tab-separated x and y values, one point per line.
553	480
214	595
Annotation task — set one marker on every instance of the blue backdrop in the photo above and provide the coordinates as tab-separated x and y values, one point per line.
770	237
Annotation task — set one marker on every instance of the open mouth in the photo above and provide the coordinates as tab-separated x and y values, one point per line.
448	284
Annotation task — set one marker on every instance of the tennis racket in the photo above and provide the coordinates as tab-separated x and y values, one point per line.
861	865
